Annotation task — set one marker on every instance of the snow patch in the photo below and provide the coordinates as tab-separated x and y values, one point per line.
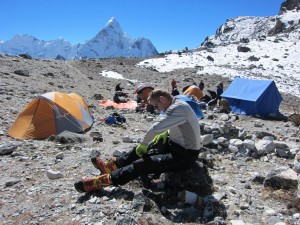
115	75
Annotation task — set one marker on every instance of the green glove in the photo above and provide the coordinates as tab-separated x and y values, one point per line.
141	150
163	136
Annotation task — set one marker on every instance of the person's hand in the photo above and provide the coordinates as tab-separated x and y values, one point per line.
141	150
163	136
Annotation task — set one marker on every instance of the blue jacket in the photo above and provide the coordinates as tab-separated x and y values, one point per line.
219	90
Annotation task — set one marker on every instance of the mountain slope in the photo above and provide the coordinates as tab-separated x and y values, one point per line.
285	26
27	44
250	47
110	42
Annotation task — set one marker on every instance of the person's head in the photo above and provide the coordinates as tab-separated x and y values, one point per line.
160	99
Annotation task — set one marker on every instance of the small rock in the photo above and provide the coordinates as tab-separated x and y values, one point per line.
264	146
247	186
149	118
7	148
237	222
224	117
12	181
60	155
244	206
270	212
127	139
24	73
249	144
54	174
207	139
93	200
297	163
296	216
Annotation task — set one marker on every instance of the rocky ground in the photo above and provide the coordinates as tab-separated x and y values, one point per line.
37	176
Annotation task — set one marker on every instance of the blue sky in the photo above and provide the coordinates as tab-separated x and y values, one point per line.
169	24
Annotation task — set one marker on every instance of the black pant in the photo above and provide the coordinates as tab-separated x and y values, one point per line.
169	157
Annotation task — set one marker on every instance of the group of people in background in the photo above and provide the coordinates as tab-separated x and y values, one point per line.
212	98
209	100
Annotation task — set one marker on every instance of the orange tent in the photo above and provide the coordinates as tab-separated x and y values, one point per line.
51	114
195	91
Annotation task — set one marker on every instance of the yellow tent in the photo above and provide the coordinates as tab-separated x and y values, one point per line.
51	114
195	91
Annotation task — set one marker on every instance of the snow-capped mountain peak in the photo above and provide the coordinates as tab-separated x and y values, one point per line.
113	24
112	31
111	41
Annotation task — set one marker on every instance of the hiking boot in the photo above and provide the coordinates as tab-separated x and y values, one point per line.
93	183
104	166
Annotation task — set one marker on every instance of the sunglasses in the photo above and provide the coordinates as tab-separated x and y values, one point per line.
155	105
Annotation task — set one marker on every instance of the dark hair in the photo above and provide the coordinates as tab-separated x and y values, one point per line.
155	94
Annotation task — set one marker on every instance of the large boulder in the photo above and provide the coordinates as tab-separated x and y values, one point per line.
68	137
282	178
195	180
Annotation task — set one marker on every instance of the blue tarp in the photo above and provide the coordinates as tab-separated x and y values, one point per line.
253	97
193	103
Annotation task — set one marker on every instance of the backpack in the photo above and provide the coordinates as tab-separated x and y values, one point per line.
193	104
115	118
119	118
110	120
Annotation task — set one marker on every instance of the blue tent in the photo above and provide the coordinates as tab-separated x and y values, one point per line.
251	97
193	103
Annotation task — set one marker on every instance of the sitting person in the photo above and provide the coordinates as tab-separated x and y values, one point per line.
219	91
175	92
201	85
212	103
171	144
116	98
205	98
119	97
173	84
224	106
212	94
118	87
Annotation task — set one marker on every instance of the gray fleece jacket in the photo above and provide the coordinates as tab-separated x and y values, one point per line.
181	123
